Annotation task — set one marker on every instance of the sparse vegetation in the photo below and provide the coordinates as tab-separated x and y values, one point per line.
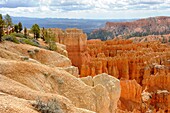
17	37
101	34
16	28
49	37
1	27
20	35
60	81
52	46
10	38
8	20
36	31
20	27
163	39
25	32
52	106
32	42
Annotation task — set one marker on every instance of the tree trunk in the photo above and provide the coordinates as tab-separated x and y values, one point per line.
1	33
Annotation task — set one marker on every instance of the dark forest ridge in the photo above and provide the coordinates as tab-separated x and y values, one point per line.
87	25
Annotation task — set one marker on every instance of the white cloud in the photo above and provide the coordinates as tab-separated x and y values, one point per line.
85	8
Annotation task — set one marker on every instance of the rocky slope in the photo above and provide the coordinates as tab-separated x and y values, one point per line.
29	73
142	27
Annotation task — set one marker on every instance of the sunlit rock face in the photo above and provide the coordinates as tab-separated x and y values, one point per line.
142	68
76	45
138	28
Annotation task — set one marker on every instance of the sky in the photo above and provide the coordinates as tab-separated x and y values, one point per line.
86	9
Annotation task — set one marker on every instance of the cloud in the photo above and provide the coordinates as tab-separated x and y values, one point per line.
67	5
82	8
18	3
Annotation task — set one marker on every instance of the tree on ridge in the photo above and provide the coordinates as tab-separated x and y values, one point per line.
36	30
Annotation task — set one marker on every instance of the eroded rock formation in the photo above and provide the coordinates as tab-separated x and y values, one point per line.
76	44
142	27
137	65
23	81
112	86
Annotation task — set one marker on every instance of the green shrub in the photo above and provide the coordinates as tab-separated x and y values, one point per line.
51	106
11	38
18	35
32	42
52	46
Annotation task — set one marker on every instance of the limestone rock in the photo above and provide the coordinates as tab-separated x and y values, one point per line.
19	77
18	97
61	49
102	98
88	80
113	87
43	56
75	41
72	70
130	95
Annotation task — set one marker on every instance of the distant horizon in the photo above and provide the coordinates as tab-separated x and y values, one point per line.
87	25
86	18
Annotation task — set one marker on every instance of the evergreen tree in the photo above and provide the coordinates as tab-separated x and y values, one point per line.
8	20
20	27
16	28
36	30
1	27
50	38
25	32
43	33
1	18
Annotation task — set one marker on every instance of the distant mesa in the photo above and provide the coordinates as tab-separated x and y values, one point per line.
143	27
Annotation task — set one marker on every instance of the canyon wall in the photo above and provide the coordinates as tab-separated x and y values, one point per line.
138	66
76	45
138	28
142	68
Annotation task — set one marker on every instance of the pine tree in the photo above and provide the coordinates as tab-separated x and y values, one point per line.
16	28
20	27
8	20
1	27
25	32
36	30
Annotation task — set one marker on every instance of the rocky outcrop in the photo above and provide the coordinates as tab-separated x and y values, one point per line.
111	85
130	95
75	41
141	27
72	70
18	97
49	80
24	82
137	65
24	52
124	59
134	64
